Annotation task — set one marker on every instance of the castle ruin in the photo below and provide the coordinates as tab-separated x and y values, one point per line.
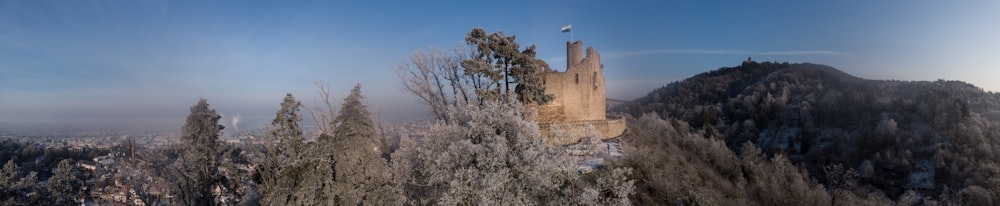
579	98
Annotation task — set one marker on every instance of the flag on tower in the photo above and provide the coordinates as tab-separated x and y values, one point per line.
567	28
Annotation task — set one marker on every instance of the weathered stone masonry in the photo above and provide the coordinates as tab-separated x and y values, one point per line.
579	97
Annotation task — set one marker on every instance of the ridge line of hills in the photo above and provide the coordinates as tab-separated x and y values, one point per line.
937	138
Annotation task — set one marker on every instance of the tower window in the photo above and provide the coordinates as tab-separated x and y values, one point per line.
577	78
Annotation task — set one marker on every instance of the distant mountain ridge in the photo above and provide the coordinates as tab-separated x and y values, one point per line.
934	137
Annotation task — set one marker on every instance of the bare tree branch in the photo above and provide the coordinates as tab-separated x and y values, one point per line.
323	117
428	74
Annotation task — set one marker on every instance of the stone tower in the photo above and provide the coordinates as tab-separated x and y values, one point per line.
579	94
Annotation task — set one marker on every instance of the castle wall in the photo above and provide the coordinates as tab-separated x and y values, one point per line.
553	111
575	130
579	90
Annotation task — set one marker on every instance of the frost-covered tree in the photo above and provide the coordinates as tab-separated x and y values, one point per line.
16	186
9	174
886	126
496	63
64	185
436	78
200	150
285	126
678	165
276	172
491	156
343	167
355	120
527	72
360	174
491	67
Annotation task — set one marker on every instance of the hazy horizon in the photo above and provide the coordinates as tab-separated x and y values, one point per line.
135	64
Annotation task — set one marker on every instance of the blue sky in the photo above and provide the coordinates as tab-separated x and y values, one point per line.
146	62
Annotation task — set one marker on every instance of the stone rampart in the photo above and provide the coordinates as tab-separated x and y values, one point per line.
563	133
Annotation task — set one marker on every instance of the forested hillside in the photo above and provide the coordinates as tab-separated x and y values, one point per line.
928	141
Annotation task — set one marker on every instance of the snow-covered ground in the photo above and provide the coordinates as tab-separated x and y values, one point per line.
610	149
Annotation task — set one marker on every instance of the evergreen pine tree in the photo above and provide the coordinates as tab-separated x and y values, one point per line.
360	174
201	154
286	126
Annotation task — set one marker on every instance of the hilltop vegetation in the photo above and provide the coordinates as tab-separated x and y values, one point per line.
872	139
